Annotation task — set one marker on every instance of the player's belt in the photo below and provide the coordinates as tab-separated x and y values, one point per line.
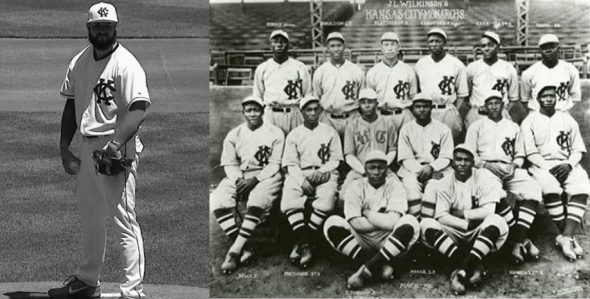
443	106
310	167
284	110
391	111
340	115
91	137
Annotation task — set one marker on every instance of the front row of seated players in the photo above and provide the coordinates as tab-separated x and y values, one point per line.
463	205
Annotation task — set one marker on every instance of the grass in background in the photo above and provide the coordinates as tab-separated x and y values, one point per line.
38	210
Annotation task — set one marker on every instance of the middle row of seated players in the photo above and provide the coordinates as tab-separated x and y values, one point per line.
313	152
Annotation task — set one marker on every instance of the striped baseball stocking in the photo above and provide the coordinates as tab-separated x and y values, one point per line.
251	220
556	210
225	218
396	244
576	208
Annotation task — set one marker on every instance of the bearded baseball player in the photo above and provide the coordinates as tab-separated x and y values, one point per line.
443	77
337	82
107	98
425	150
313	152
561	73
490	73
465	205
376	228
365	134
554	147
251	159
394	81
499	148
281	82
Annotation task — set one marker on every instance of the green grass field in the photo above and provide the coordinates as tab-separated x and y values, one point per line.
38	215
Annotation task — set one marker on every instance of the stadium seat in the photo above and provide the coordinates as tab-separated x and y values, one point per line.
241	75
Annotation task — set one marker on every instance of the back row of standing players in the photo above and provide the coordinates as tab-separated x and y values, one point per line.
408	117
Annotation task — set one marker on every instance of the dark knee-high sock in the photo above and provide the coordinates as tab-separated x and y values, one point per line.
396	244
251	220
481	247
526	215
225	218
345	243
576	208
555	208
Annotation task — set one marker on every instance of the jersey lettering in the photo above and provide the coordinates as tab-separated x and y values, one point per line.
349	90
508	147
562	91
324	152
362	138
564	141
401	89
104	91
499	86
262	155
446	85
380	136
435	149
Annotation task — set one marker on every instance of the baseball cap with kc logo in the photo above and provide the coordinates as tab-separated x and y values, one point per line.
102	12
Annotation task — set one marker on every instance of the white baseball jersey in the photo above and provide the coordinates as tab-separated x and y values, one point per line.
390	197
444	80
564	75
253	150
281	85
103	90
312	148
482	78
395	86
481	188
361	137
555	137
338	87
495	141
432	144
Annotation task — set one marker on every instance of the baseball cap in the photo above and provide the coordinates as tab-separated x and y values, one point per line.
422	96
253	99
464	148
376	155
279	32
493	35
493	94
367	93
335	35
438	31
308	99
548	38
389	36
102	12
541	87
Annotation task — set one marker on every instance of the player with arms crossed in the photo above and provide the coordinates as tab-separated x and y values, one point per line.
377	228
465	205
443	77
425	150
313	152
563	73
499	148
281	82
490	73
394	81
366	133
251	159
107	98
554	146
337	82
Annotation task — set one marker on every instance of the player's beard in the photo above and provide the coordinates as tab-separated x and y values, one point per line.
102	44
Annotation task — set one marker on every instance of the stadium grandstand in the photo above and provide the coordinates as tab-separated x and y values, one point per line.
239	32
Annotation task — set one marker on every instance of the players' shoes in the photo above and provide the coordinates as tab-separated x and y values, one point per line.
359	279
387	272
565	244
517	253
246	256
306	256
458	281
75	288
231	263
294	256
532	252
479	273
577	248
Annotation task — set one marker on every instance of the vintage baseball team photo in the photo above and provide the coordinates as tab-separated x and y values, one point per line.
399	148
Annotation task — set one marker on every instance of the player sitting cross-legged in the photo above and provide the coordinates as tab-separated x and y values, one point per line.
499	148
377	228
464	215
313	152
251	159
554	146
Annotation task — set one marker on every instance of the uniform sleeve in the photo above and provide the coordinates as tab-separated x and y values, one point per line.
576	138
471	141
446	151
370	79
349	138
461	83
526	88
306	80
519	151
392	138
317	82
443	201
512	84
353	201
528	137
258	87
335	147
575	90
360	78
134	85
290	155
397	201
278	146
413	84
67	87
469	75
489	189
229	156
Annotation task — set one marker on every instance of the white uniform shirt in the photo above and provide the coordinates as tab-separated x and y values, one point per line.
495	141
361	137
360	196
338	87
432	144
312	148
395	86
444	80
482	78
253	150
564	75
281	85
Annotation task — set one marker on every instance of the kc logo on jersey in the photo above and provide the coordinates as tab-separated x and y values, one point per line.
380	136
292	88
103	12
508	147
446	85
500	84
363	137
104	98
262	155
401	89
324	152
349	90
564	141
562	91
435	149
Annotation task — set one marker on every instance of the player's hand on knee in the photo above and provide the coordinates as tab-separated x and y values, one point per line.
70	162
561	172
425	173
240	185
250	183
457	213
325	177
308	189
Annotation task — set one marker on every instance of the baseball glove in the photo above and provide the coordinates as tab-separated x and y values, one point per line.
108	165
